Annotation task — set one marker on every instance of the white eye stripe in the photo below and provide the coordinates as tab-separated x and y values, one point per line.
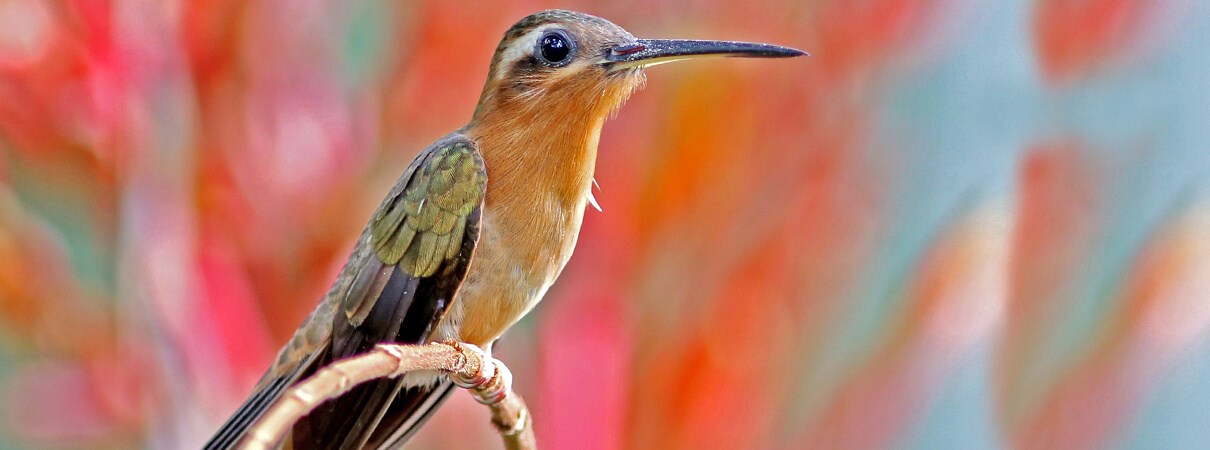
519	48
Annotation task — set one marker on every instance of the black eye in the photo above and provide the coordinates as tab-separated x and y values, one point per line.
556	48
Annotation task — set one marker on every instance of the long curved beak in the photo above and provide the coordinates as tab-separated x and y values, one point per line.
649	52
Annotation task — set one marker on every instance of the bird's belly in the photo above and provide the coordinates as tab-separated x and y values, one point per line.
511	270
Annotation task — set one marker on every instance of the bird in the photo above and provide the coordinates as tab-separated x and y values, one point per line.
478	227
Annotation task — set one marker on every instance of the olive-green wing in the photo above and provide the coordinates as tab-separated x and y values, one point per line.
396	286
421	226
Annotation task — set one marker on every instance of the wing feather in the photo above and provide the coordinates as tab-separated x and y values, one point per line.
396	286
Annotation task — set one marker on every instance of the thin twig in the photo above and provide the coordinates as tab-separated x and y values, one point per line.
487	378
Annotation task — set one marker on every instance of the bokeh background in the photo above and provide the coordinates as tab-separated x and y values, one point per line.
959	224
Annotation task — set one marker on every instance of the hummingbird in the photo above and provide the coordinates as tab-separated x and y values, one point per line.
476	230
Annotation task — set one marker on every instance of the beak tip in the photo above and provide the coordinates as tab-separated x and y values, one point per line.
778	51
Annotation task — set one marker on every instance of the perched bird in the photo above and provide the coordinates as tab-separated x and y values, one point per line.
476	230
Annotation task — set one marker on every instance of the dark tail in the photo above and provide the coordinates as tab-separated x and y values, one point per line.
231	431
410	410
267	392
342	423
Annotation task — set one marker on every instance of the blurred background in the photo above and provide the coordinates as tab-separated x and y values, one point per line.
959	224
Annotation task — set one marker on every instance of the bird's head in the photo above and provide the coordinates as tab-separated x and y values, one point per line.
564	62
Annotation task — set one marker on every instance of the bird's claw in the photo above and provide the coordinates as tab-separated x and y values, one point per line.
487	367
491	383
497	388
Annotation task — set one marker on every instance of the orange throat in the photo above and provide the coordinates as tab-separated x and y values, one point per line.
546	141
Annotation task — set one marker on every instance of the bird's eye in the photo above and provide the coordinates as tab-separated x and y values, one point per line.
556	48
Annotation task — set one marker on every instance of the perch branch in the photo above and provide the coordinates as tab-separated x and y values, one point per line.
488	379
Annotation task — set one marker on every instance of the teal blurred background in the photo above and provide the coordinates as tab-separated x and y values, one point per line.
959	224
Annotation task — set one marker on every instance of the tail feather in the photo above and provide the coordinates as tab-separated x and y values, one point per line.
229	435
342	423
410	410
234	428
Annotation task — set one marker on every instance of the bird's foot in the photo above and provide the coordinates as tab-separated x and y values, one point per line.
491	383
